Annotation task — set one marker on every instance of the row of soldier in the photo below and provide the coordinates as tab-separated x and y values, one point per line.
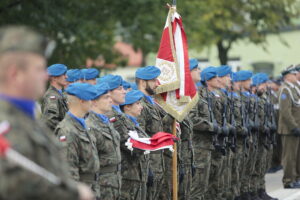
225	147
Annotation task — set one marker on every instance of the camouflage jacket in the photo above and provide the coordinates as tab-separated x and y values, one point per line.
108	146
31	139
151	121
79	149
202	125
54	107
135	164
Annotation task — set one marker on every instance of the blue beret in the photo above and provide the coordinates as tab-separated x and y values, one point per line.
83	91
234	77
102	88
224	70
208	73
243	75
88	74
259	78
134	86
57	69
126	85
193	63
132	97
73	75
147	73
113	81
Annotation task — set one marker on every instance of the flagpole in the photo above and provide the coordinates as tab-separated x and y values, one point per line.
174	165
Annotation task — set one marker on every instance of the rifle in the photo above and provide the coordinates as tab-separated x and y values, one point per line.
267	133
225	129
216	144
232	121
272	125
244	124
256	123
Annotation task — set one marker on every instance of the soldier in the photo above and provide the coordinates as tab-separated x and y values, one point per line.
151	121
89	75
245	147
274	85
108	144
265	149
22	80
135	164
205	128
79	146
54	104
289	128
224	73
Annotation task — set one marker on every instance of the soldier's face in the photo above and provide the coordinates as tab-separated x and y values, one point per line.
151	85
32	78
195	73
86	105
214	83
134	109
62	80
225	81
118	95
246	84
298	76
104	103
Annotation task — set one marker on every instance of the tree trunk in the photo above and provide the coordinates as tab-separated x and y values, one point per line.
223	52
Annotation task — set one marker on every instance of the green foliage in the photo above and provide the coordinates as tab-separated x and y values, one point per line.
223	22
85	28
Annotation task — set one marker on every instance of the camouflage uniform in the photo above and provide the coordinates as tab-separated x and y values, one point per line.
135	164
216	177
185	156
54	107
202	142
79	150
108	146
151	121
277	151
30	138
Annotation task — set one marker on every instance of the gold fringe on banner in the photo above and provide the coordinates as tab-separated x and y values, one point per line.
179	116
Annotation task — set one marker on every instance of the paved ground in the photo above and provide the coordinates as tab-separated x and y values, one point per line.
275	188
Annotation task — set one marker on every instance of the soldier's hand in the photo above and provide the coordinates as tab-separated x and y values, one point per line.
225	130
232	130
216	129
85	193
296	131
244	131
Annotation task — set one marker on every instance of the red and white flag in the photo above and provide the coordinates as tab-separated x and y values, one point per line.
158	141
177	92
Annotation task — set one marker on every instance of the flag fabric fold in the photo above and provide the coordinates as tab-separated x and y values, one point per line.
176	92
158	141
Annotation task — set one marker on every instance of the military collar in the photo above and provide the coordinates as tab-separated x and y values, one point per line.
25	105
246	93
117	108
133	119
81	121
149	99
60	92
102	117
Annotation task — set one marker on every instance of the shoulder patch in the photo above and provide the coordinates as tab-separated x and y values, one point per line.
283	96
62	138
113	119
53	97
4	127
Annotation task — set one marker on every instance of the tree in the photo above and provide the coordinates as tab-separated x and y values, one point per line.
81	29
222	23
